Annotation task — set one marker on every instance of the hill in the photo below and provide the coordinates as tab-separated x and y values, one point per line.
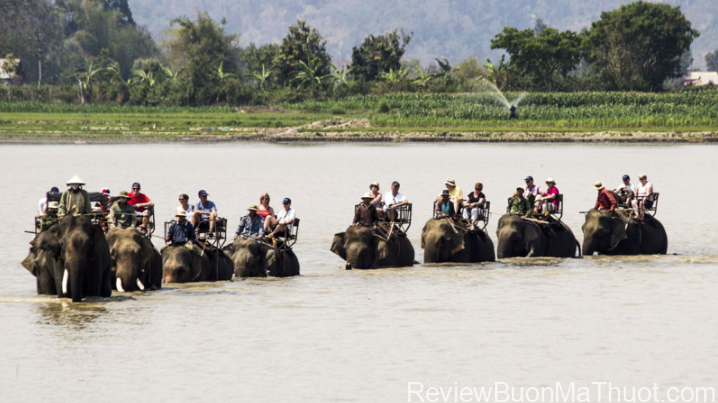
452	28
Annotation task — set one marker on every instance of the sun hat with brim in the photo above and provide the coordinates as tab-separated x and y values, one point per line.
551	180
180	213
374	184
450	182
367	195
642	176
253	207
598	185
123	194
75	180
445	193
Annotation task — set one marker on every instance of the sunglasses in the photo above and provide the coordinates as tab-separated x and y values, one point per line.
182	199
135	188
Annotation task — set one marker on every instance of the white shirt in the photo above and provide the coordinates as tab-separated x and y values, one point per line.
627	187
41	205
389	199
287	215
534	190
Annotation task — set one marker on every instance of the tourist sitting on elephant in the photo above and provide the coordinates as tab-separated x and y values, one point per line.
264	210
605	199
625	191
42	204
75	200
282	225
377	196
365	214
644	197
204	211
141	204
519	205
475	204
455	194
181	231
445	206
122	214
531	190
392	201
185	205
103	206
251	225
549	199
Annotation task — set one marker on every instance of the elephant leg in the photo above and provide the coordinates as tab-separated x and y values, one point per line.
348	267
45	283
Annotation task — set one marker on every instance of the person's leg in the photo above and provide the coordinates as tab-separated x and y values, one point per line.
465	214
634	204
280	229
475	214
268	223
212	221
196	218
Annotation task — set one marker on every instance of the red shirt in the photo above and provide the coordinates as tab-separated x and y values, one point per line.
606	200
141	198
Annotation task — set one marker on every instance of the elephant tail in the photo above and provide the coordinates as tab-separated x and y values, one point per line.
578	248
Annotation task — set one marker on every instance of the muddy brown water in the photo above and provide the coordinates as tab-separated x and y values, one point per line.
360	336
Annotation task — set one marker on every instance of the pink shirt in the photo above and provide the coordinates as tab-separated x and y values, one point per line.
553	191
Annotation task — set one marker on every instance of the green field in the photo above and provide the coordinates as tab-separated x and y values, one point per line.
694	111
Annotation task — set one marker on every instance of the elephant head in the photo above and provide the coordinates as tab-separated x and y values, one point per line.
357	246
441	241
602	232
85	258
181	265
43	261
519	238
132	257
252	258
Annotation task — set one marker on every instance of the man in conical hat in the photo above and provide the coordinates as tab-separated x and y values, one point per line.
74	200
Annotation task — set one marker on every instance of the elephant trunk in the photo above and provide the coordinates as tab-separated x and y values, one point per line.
72	280
360	257
126	276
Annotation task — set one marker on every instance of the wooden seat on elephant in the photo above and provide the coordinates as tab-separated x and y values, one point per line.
558	213
216	238
290	236
654	208
482	220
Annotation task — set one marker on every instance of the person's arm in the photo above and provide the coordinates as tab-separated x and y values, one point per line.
377	199
598	202
612	200
261	228
452	211
62	206
170	232
240	228
480	203
88	204
111	218
133	217
356	216
508	208
401	203
527	208
289	217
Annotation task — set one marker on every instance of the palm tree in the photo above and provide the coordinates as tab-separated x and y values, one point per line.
87	76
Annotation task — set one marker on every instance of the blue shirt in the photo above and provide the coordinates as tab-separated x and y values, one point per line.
181	233
250	228
210	206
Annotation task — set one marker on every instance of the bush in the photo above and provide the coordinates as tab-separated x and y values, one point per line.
383	107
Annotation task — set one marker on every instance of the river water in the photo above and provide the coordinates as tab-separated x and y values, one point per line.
361	336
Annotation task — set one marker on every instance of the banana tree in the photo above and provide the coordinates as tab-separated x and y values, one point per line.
262	76
222	75
497	74
424	77
339	75
93	73
140	76
308	75
394	77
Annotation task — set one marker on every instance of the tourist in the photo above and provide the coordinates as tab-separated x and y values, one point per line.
445	206
392	201
251	225
74	200
455	194
282	225
365	213
644	197
626	191
264	210
42	204
205	210
518	204
185	205
142	204
531	190
605	199
122	214
549	199
181	231
103	206
376	201
475	203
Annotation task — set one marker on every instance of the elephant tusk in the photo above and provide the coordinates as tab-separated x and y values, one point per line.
119	285
65	279
139	284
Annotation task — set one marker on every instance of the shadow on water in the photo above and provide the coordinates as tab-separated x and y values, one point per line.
67	314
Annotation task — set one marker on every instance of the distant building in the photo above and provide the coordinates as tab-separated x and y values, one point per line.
8	69
701	78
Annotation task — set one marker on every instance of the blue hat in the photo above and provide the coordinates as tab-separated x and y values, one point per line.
287	201
626	177
202	193
529	178
136	185
54	189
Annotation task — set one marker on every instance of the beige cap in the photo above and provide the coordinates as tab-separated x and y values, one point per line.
75	180
450	182
180	213
367	195
373	184
253	207
123	194
550	180
598	185
642	176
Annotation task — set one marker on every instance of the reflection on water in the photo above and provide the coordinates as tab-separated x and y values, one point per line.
336	335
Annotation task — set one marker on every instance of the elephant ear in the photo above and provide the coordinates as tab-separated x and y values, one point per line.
381	249
457	241
269	260
229	249
29	262
618	232
338	245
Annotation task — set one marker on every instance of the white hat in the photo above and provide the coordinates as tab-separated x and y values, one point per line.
368	195
180	213
450	182
550	180
642	176
598	185
75	180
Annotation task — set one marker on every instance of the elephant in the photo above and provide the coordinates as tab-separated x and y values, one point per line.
136	264
253	258
362	249
526	238
617	234
182	265
72	259
443	242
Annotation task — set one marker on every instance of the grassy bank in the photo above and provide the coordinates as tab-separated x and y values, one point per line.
438	115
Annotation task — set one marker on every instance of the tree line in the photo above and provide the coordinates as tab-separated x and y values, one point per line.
92	51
